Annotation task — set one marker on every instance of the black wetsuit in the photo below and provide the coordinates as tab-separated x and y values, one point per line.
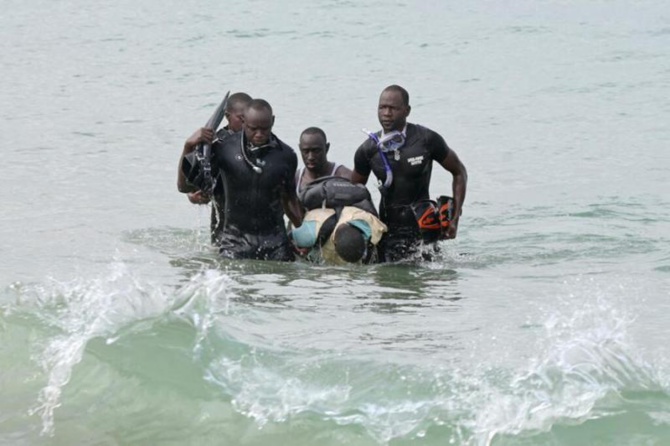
218	198
410	187
191	169
253	226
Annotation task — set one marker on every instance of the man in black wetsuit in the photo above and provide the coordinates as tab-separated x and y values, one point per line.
237	103
257	172
401	157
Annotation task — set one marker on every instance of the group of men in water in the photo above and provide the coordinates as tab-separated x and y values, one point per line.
332	218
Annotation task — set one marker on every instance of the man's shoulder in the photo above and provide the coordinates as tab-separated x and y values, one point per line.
418	129
227	139
281	145
223	133
417	132
343	171
368	146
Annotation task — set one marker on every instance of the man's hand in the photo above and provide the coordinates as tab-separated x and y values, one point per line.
301	252
451	231
202	135
198	197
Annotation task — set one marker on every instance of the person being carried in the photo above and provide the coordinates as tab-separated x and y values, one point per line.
341	224
315	239
401	156
237	102
256	170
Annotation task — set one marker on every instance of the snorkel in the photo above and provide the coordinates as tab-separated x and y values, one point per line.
204	151
387	167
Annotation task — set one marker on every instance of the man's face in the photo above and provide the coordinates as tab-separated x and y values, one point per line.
314	150
392	112
235	118
258	125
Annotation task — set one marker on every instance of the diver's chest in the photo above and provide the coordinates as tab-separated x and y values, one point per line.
410	161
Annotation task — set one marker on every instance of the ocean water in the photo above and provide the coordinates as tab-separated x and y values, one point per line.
544	323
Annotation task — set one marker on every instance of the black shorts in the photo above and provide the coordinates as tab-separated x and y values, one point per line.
406	245
404	239
234	244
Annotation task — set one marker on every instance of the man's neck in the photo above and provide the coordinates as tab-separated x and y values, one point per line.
313	174
270	143
403	130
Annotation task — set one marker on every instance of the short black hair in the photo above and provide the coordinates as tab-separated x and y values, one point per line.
259	104
314	131
237	99
349	243
399	89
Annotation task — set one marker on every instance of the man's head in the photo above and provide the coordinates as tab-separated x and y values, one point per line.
258	122
237	103
314	149
393	108
350	243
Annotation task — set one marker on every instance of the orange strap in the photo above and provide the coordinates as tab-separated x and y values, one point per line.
428	222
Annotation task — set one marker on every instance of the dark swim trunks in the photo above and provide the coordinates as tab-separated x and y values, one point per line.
404	239
235	244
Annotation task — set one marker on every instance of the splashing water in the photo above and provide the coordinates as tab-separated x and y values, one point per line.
78	311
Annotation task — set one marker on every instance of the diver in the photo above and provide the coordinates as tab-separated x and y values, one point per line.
234	114
401	157
257	173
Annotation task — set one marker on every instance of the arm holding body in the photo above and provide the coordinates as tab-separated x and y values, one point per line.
292	207
362	168
289	197
198	197
357	178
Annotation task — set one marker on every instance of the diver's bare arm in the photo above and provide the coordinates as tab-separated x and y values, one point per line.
459	185
292	208
358	178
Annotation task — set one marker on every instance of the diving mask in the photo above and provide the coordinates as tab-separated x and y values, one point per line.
391	141
388	142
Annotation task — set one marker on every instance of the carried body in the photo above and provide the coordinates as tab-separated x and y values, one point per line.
341	224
